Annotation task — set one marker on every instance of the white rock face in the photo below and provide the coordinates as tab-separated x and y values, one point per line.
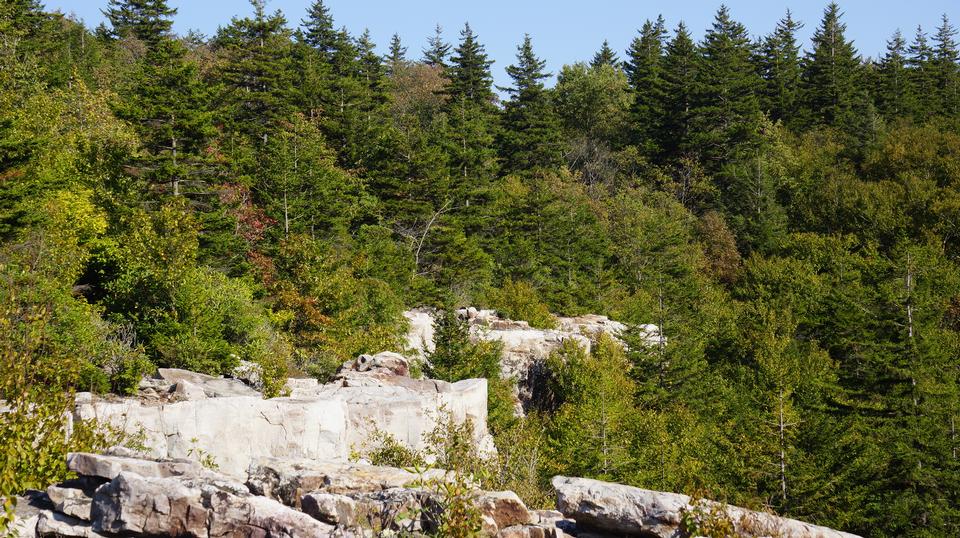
235	426
524	348
620	510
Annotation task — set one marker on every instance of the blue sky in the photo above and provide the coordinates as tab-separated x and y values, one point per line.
563	31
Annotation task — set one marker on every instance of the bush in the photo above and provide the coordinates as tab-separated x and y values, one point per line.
519	300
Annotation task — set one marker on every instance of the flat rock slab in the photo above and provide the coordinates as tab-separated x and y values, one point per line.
629	511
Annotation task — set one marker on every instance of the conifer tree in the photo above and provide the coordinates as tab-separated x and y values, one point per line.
257	72
894	89
437	49
605	56
531	129
946	71
471	115
146	20
168	105
680	68
319	31
725	111
831	73
920	61
643	67
779	62
397	56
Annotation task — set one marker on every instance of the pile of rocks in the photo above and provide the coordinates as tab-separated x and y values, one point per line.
120	494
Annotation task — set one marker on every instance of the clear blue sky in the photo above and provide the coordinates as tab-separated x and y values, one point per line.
563	31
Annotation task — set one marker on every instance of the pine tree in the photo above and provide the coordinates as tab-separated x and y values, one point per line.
725	111
894	92
946	71
319	30
257	72
643	72
147	20
920	61
779	62
831	73
168	105
680	72
397	57
472	117
437	49
531	130
605	56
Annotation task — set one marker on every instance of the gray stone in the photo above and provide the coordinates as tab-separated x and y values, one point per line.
55	525
504	507
628	511
70	501
330	508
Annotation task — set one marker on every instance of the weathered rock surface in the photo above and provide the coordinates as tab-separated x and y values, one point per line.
288	480
618	510
182	413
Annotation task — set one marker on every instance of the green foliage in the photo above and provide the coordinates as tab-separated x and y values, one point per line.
520	301
778	227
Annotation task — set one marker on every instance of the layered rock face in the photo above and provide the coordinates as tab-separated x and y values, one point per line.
117	495
183	413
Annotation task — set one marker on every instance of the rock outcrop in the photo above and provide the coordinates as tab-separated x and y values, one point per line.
121	495
608	509
180	413
524	348
137	497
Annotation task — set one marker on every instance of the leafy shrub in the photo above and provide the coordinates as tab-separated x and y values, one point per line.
519	300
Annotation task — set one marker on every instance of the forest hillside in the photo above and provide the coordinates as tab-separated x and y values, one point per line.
787	214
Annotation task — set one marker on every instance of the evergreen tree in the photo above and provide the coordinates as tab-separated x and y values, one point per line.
779	63
605	56
470	79
680	72
397	56
920	61
643	72
946	71
319	30
437	49
531	129
471	115
168	105
726	112
257	73
894	92
147	20
831	73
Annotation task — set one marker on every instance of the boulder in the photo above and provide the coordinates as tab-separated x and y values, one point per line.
72	502
504	507
330	508
107	467
289	480
56	525
628	511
